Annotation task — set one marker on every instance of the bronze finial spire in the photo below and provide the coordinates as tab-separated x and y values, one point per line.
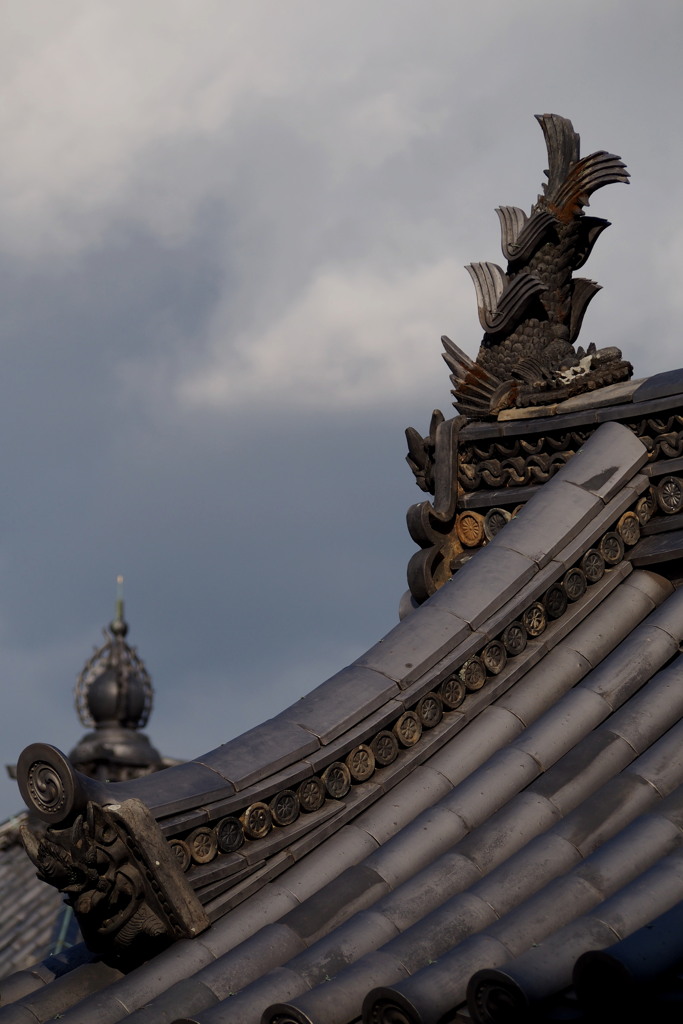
119	626
114	697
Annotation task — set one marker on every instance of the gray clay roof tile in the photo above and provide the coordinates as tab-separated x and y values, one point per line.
542	817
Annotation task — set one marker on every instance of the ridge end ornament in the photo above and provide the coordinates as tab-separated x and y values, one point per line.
527	365
532	312
109	860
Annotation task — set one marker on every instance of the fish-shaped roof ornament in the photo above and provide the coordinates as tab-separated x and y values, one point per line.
532	312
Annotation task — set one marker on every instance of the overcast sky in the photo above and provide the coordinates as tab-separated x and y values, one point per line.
231	235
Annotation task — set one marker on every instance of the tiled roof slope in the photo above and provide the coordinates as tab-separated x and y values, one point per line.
34	922
541	818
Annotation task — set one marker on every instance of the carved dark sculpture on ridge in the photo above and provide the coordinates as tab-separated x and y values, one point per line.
120	877
532	313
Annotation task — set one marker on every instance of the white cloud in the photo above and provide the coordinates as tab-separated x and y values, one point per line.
270	203
349	149
351	338
88	94
92	92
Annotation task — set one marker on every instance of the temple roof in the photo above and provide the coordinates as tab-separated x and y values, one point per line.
481	817
526	818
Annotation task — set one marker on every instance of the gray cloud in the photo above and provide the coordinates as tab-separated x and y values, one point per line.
232	235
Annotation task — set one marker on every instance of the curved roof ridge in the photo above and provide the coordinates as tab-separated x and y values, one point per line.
539	814
631	601
368	833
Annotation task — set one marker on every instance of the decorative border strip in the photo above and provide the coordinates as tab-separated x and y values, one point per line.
444	541
229	834
519	462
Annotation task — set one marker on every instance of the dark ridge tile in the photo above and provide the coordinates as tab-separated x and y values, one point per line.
661	385
175	789
340	702
487	581
260	752
660	547
550	522
606	462
612	394
605	520
663	468
415	644
362	732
